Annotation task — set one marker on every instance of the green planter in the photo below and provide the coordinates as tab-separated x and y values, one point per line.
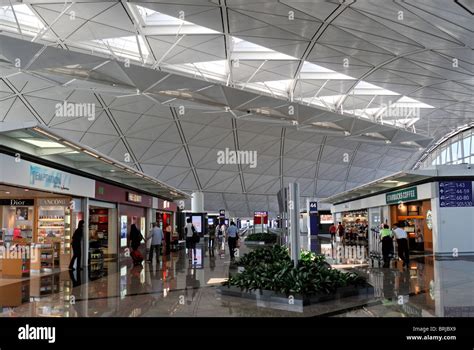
271	299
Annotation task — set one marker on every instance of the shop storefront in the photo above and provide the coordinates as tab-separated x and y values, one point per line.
38	214
434	206
165	217
131	208
411	214
355	224
103	228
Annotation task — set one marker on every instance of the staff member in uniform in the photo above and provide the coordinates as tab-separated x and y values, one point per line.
402	242
387	244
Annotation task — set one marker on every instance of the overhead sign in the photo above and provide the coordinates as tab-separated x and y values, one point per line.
260	217
64	202
17	202
313	218
326	219
405	195
455	194
133	197
49	178
30	175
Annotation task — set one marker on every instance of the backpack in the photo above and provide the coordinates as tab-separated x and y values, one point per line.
195	236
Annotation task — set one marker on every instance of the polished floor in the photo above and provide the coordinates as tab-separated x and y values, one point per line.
178	287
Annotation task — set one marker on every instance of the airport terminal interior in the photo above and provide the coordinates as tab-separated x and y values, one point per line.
236	158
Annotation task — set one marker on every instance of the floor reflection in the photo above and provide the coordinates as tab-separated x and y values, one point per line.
173	286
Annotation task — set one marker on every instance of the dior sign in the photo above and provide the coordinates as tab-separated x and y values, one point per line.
17	202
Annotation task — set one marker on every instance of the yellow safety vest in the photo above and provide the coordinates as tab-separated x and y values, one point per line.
385	232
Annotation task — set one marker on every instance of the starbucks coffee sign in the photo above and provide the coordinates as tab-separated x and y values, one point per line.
405	195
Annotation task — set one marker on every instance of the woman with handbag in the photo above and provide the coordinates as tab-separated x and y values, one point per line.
191	235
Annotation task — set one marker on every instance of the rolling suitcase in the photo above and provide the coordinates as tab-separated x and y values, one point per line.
137	257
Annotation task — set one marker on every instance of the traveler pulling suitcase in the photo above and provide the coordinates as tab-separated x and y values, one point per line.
137	257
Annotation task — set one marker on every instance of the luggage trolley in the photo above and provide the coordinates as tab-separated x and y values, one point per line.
376	253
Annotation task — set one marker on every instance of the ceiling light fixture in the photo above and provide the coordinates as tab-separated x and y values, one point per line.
90	153
41	131
106	160
69	144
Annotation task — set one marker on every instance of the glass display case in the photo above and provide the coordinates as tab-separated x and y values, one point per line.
51	222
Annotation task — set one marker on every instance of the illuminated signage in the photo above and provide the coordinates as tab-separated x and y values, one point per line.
326	219
54	201
133	197
396	197
17	202
429	219
49	178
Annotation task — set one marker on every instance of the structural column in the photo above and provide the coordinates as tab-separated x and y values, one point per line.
197	202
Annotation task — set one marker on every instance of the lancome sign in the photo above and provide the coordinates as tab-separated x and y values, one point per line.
64	202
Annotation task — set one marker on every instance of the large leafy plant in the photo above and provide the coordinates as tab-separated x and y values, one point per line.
262	237
272	269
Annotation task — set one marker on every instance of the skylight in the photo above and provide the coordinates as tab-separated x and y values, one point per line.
211	69
276	87
169	24
332	100
124	46
406	101
43	143
313	71
364	88
312	101
29	23
243	49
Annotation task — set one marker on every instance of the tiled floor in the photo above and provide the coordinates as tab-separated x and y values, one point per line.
177	287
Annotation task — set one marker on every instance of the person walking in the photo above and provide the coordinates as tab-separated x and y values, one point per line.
419	241
212	238
190	232
232	237
341	232
76	246
156	236
402	243
387	245
136	238
168	239
332	231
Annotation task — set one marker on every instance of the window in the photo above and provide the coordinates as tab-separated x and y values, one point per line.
455	150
